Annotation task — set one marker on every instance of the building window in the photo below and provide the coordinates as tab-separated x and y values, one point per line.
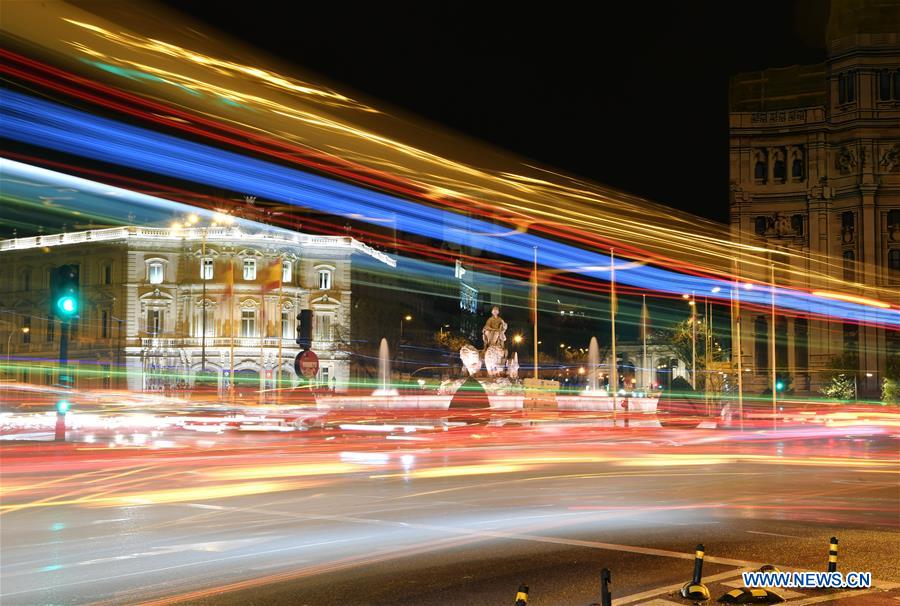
155	272
324	279
884	85
797	224
847	220
249	269
287	271
889	85
104	324
893	220
761	344
51	329
323	327
846	88
154	321
894	260
849	266
206	269
287	330
324	375
106	272
797	169
759	226
778	170
209	328
26	334
248	322
760	170
26	279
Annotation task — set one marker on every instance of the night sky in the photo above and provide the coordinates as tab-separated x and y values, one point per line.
633	95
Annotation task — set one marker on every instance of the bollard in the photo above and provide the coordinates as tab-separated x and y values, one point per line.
832	555
695	589
522	595
605	595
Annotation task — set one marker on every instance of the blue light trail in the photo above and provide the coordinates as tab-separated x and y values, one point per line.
50	125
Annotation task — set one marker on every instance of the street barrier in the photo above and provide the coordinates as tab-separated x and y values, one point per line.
745	595
832	555
522	595
695	589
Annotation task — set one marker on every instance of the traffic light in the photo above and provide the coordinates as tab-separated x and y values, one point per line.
779	385
65	292
304	328
62	407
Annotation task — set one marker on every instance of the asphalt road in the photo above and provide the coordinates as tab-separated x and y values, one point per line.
459	517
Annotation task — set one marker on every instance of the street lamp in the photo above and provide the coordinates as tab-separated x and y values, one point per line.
405	318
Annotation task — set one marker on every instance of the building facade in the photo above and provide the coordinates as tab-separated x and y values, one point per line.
815	178
163	309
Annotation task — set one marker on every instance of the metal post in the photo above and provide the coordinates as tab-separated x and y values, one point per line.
693	304
614	366
534	310
740	357
832	555
772	348
203	304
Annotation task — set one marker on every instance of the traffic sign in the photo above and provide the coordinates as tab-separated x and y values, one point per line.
306	364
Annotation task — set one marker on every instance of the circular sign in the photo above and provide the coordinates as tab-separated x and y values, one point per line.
306	364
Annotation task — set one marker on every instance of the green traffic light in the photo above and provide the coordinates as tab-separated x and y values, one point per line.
62	406
67	305
779	385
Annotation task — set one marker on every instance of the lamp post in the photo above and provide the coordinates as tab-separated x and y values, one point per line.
405	318
693	304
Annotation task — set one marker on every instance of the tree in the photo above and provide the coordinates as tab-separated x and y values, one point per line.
890	387
841	376
679	342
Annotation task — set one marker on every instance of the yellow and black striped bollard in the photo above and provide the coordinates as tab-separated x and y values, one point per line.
695	589
832	555
522	595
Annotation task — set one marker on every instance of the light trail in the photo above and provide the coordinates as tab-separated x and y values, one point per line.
46	124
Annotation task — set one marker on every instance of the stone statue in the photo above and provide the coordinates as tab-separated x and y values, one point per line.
494	331
471	359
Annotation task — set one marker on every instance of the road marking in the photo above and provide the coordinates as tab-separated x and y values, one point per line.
773	534
787	594
670	588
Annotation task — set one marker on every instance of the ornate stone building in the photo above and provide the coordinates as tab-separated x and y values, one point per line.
160	305
815	178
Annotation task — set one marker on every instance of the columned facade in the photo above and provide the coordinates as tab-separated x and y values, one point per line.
180	308
815	178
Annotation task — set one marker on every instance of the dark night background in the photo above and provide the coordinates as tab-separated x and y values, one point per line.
630	94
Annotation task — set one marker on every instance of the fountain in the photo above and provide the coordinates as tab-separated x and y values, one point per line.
593	388
384	372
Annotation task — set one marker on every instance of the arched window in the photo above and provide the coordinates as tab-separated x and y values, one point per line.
778	168
287	272
846	88
797	168
324	279
760	170
847	220
155	272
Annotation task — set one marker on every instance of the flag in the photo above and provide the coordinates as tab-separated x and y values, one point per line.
271	277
